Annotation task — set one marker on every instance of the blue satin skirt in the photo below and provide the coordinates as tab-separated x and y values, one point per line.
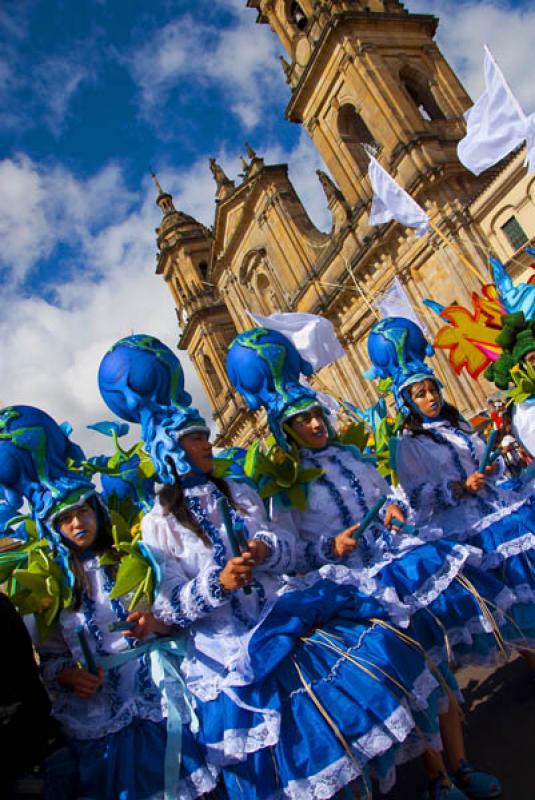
337	694
129	764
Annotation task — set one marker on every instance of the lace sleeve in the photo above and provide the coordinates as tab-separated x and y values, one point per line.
427	486
54	656
181	599
278	535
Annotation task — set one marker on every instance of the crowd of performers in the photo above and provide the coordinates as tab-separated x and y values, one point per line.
278	623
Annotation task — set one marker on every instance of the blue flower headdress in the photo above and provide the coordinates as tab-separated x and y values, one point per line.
141	380
397	349
35	459
264	366
35	454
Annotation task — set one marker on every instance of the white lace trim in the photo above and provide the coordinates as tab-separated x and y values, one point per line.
238	743
197	783
110	725
496	516
424	686
323	784
517	546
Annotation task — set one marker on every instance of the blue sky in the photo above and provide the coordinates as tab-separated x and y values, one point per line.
95	92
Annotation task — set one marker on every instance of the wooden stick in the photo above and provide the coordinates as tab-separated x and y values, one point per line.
361	291
459	253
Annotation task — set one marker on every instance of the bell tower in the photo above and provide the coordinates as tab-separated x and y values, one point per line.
206	328
369	72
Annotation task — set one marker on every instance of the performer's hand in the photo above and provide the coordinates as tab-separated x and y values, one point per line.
344	544
83	683
145	624
491	468
474	482
237	572
393	512
257	550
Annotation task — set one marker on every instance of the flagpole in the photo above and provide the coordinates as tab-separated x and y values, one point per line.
360	290
459	253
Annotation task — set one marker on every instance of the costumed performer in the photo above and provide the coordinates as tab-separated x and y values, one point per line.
118	704
439	458
413	579
298	694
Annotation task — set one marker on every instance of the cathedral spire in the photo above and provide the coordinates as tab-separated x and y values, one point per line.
225	186
164	200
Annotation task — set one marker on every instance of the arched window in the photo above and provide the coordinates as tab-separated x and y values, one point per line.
417	87
203	270
296	15
354	133
211	374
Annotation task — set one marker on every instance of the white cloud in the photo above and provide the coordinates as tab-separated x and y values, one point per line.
50	352
240	60
38	90
25	232
56	81
465	26
41	206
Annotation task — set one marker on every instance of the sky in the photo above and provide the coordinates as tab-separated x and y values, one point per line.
94	94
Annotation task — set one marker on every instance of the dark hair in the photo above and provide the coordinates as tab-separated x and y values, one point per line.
414	424
103	544
172	500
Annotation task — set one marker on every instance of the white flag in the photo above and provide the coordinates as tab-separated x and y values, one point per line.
496	124
394	302
390	201
313	336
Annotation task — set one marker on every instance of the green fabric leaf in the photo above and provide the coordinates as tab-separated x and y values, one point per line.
131	572
309	475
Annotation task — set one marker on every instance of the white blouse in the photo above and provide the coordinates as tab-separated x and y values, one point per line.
128	690
428	471
336	501
191	596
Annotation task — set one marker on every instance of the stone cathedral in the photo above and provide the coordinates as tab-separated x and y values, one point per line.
360	72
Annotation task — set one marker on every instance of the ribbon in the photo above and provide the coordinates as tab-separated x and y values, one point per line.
164	653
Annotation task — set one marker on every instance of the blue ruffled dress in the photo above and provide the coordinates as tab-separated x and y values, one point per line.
298	693
118	738
499	524
431	585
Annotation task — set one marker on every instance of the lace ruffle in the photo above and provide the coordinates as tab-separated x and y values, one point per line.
109	725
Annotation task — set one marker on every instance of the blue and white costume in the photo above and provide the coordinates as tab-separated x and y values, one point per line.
126	722
140	692
433	463
407	574
251	658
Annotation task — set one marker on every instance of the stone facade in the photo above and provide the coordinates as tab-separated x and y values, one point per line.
360	71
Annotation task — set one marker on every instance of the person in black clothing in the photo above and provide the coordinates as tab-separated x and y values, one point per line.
25	722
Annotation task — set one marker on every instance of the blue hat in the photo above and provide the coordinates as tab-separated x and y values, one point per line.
35	459
264	366
397	349
141	380
34	456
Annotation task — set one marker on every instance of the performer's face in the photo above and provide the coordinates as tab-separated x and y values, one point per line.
79	526
529	358
310	427
426	396
198	450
